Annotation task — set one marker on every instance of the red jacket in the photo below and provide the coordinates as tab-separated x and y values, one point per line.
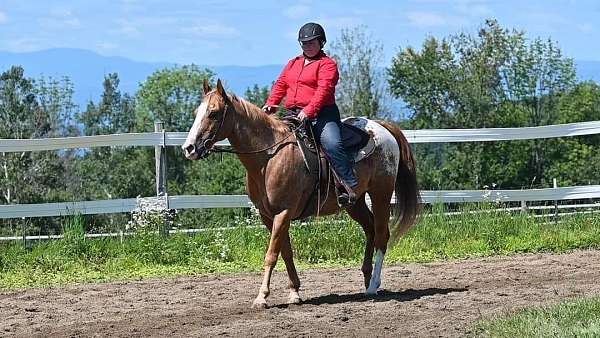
309	87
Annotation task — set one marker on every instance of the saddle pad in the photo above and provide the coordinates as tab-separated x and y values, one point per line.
366	144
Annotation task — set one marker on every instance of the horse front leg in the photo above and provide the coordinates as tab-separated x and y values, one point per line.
288	258
280	227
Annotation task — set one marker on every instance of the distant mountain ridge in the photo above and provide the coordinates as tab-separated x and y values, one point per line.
87	70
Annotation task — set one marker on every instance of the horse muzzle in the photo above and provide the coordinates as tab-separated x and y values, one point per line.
195	152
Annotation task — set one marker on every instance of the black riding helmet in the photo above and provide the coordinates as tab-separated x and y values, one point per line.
311	31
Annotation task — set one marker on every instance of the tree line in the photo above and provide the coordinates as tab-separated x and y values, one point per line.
495	78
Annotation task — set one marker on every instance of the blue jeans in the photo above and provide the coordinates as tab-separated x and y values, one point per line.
327	131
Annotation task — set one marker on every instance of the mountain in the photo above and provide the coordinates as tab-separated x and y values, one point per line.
87	69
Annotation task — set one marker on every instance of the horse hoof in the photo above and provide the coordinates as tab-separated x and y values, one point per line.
371	292
294	300
259	304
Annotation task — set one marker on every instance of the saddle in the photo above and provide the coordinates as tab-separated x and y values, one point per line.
357	142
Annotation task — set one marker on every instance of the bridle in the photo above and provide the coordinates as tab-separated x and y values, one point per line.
216	131
317	188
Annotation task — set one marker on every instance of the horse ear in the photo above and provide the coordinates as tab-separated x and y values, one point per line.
220	89
206	86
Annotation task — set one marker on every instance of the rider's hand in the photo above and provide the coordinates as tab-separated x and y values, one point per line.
269	109
302	115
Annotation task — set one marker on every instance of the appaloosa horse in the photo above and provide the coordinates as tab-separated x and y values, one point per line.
280	186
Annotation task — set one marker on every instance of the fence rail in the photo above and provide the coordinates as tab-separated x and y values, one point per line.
242	201
413	136
161	139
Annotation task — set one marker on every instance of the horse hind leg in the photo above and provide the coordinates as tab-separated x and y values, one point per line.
361	214
381	213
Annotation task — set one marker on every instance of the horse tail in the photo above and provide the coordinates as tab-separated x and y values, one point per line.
408	199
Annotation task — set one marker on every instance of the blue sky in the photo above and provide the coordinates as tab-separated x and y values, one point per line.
236	32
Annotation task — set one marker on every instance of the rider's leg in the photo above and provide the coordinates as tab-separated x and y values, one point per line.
328	132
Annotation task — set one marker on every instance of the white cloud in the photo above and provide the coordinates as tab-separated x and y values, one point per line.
128	31
458	13
296	11
107	46
61	18
423	19
3	18
339	23
25	45
212	30
430	19
585	27
473	8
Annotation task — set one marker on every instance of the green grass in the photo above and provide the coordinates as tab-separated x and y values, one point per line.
328	242
569	319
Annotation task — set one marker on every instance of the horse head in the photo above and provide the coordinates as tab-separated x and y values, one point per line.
211	123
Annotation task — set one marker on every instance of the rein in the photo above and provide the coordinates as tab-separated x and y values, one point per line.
212	137
316	188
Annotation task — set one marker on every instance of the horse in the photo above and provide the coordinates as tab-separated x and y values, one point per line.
281	187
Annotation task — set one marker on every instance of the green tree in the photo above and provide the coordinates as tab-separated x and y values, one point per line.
30	110
171	95
257	95
575	159
361	88
115	113
493	79
113	172
34	109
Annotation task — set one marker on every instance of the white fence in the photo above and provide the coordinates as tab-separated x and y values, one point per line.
162	139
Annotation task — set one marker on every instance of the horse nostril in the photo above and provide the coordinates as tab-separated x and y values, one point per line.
190	149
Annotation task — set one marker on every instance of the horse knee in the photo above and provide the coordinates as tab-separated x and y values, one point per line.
270	259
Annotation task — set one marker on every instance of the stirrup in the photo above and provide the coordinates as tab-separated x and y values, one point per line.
346	200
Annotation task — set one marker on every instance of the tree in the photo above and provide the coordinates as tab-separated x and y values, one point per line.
171	95
32	110
257	95
361	87
493	79
115	113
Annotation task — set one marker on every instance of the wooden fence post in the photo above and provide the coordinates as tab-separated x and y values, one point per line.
160	157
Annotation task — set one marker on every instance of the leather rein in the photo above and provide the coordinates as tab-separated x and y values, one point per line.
212	137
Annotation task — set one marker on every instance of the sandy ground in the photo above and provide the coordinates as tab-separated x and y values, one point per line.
417	300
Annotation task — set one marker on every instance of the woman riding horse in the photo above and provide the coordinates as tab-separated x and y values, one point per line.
308	84
282	189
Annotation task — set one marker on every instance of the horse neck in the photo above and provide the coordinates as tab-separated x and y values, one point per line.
254	130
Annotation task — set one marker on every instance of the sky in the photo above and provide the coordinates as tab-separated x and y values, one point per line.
252	33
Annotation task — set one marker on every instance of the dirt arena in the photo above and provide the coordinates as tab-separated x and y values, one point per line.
417	300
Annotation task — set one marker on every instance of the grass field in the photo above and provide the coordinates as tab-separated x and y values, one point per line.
329	242
570	319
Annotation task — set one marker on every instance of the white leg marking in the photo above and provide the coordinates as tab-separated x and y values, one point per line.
375	282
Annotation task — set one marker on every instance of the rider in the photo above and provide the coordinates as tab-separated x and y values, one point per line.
308	84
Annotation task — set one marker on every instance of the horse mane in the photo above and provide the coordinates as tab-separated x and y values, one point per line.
253	112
